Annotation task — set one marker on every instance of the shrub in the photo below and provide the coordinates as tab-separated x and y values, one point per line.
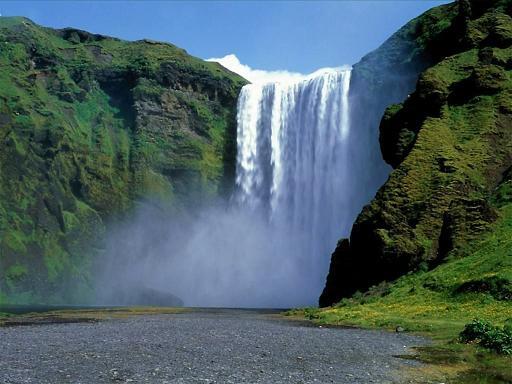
311	313
488	336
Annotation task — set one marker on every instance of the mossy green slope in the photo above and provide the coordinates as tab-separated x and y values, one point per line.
438	303
89	125
450	143
445	298
432	251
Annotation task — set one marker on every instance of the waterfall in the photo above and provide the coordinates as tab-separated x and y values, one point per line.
293	165
294	198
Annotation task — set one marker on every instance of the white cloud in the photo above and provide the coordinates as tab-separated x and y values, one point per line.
258	76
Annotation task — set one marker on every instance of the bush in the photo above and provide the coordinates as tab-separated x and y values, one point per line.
474	331
311	313
488	336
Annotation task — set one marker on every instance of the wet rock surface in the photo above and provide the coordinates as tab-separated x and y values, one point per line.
202	346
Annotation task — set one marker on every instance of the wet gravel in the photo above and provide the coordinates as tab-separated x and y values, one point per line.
203	346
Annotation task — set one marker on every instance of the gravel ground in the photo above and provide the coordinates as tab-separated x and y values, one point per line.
202	346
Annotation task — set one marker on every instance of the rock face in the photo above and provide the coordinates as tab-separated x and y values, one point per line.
383	77
449	143
89	125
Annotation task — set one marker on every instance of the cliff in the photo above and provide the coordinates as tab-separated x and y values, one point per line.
90	125
449	143
383	77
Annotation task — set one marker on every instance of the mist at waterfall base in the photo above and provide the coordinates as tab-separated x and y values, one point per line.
270	245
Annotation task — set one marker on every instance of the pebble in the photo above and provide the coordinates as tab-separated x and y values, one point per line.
212	346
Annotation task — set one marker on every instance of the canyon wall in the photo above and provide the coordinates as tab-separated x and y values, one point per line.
449	143
90	126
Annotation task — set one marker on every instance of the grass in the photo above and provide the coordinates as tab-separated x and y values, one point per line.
82	145
459	364
432	304
83	315
447	163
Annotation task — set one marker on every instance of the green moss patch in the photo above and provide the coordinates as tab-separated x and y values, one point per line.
89	125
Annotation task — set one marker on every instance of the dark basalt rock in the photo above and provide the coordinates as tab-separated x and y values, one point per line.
77	36
464	220
488	79
88	125
499	288
449	143
331	293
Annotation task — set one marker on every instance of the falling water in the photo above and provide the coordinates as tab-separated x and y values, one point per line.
292	163
293	201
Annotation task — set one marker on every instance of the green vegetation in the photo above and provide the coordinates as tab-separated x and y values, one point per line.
83	315
433	250
439	303
489	336
89	125
441	300
449	145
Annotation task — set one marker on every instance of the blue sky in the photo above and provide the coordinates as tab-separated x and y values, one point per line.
297	36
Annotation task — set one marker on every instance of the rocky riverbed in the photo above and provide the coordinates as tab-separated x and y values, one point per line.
200	346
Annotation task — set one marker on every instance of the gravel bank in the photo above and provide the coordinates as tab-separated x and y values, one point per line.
202	346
